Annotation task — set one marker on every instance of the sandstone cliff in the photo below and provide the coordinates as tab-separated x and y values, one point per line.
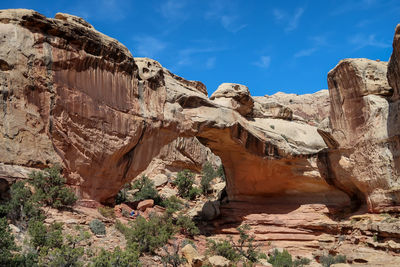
72	95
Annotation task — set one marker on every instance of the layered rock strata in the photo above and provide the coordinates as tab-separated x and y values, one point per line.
73	95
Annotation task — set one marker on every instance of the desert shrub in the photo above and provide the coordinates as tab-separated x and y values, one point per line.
45	238
301	262
222	248
148	235
328	260
107	212
187	226
147	190
184	181
221	172
50	188
7	244
172	257
97	227
21	207
281	259
172	204
245	245
122	194
118	257
208	174
69	253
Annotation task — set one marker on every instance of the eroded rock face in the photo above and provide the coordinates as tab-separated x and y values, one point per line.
309	108
234	96
363	120
105	115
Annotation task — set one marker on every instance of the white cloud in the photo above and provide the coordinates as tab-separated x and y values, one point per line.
317	42
291	21
305	52
361	40
173	9
226	13
185	56
148	46
210	62
263	62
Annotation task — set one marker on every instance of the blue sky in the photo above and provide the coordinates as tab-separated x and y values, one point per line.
269	46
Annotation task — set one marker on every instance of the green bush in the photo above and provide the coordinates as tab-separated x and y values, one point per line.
172	257
122	194
221	172
97	227
222	248
187	226
208	174
21	207
172	204
147	190
69	253
281	259
118	257
7	244
107	212
148	235
301	262
50	188
245	244
184	181
44	238
328	260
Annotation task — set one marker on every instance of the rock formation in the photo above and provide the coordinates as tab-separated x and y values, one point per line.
72	95
75	96
364	128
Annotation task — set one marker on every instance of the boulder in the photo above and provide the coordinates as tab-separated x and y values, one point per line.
193	258
234	96
143	205
160	180
210	210
219	261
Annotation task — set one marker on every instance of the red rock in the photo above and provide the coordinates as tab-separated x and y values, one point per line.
143	205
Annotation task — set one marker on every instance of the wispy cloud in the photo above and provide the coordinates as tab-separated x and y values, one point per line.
186	56
291	21
317	43
263	62
360	41
210	64
173	9
349	6
226	13
305	52
148	46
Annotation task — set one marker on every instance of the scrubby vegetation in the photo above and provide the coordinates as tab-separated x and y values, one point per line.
147	190
221	172
328	260
107	212
118	257
284	259
185	181
244	249
207	175
172	204
50	189
149	235
97	227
